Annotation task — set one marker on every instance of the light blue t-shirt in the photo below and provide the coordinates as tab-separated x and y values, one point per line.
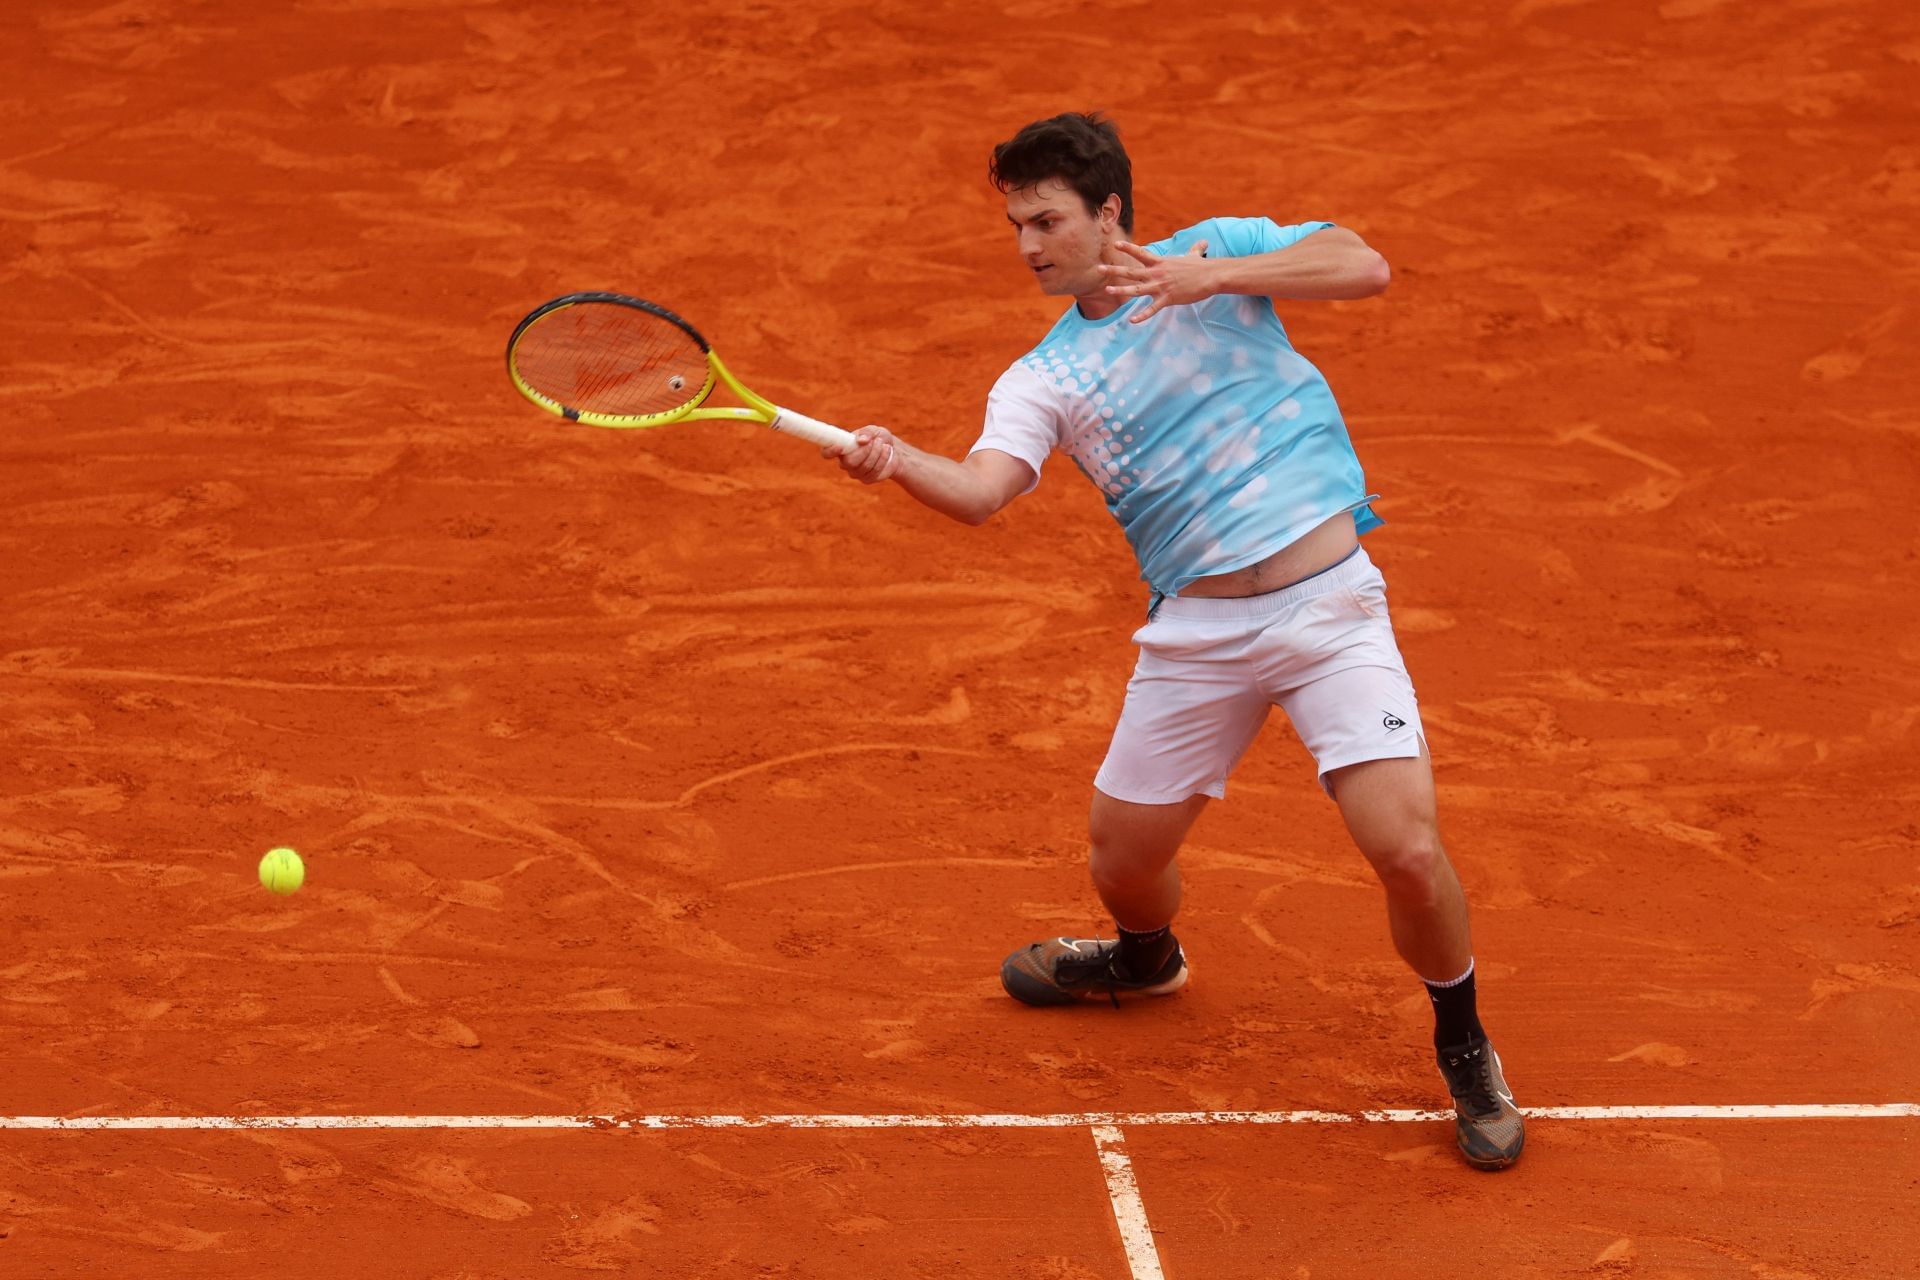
1215	442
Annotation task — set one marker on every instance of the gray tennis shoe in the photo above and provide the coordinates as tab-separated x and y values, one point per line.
1490	1127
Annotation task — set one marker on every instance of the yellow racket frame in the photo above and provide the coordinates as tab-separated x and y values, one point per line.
757	408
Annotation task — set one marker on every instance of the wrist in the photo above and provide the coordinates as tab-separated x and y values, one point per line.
1226	275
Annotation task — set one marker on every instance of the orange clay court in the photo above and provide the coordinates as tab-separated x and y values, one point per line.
668	802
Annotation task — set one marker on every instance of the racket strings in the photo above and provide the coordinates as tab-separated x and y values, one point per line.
612	360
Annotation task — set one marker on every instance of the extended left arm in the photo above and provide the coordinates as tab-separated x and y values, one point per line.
1331	263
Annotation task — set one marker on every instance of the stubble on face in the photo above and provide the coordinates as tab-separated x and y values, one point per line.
1060	241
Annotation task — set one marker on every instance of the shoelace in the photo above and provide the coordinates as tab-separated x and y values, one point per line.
1479	1097
1106	977
1113	992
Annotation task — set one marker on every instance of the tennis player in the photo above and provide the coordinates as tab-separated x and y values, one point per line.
1172	384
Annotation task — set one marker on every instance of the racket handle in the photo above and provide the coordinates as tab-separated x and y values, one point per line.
810	429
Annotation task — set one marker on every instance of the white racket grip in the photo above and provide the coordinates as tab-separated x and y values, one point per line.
812	429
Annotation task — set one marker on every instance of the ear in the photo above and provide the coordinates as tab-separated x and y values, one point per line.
1110	212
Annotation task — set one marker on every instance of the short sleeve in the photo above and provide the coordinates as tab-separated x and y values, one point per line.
1023	419
1244	237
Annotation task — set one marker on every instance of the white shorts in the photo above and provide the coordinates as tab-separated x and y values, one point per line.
1210	670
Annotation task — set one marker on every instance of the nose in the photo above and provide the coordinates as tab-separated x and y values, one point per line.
1029	243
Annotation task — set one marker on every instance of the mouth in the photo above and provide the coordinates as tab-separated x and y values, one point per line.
1041	270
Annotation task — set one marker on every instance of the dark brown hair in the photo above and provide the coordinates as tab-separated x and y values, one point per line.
1081	150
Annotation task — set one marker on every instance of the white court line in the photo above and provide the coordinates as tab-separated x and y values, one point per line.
1062	1120
1129	1211
1136	1236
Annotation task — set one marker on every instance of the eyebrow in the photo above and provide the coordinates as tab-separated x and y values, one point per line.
1048	212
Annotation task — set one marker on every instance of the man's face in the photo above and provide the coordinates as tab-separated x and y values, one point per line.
1061	242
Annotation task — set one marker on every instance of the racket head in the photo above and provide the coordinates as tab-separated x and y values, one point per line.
610	360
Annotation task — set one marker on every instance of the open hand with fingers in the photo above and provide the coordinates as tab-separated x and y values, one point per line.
875	455
1170	282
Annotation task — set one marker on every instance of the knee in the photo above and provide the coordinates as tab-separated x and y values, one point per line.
1413	864
1108	844
1118	861
1132	844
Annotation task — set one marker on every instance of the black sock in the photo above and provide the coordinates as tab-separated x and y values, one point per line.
1142	954
1455	1020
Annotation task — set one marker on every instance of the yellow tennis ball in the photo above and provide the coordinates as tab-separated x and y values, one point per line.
282	871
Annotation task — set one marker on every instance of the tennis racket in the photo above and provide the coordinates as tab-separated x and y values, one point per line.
612	361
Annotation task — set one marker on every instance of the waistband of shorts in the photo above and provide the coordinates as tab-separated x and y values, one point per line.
1355	567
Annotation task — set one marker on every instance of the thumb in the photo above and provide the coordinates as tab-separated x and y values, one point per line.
1199	250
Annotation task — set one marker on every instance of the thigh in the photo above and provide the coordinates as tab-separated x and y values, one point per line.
1190	714
1388	805
1352	700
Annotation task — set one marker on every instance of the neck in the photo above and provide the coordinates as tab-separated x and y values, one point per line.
1099	304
